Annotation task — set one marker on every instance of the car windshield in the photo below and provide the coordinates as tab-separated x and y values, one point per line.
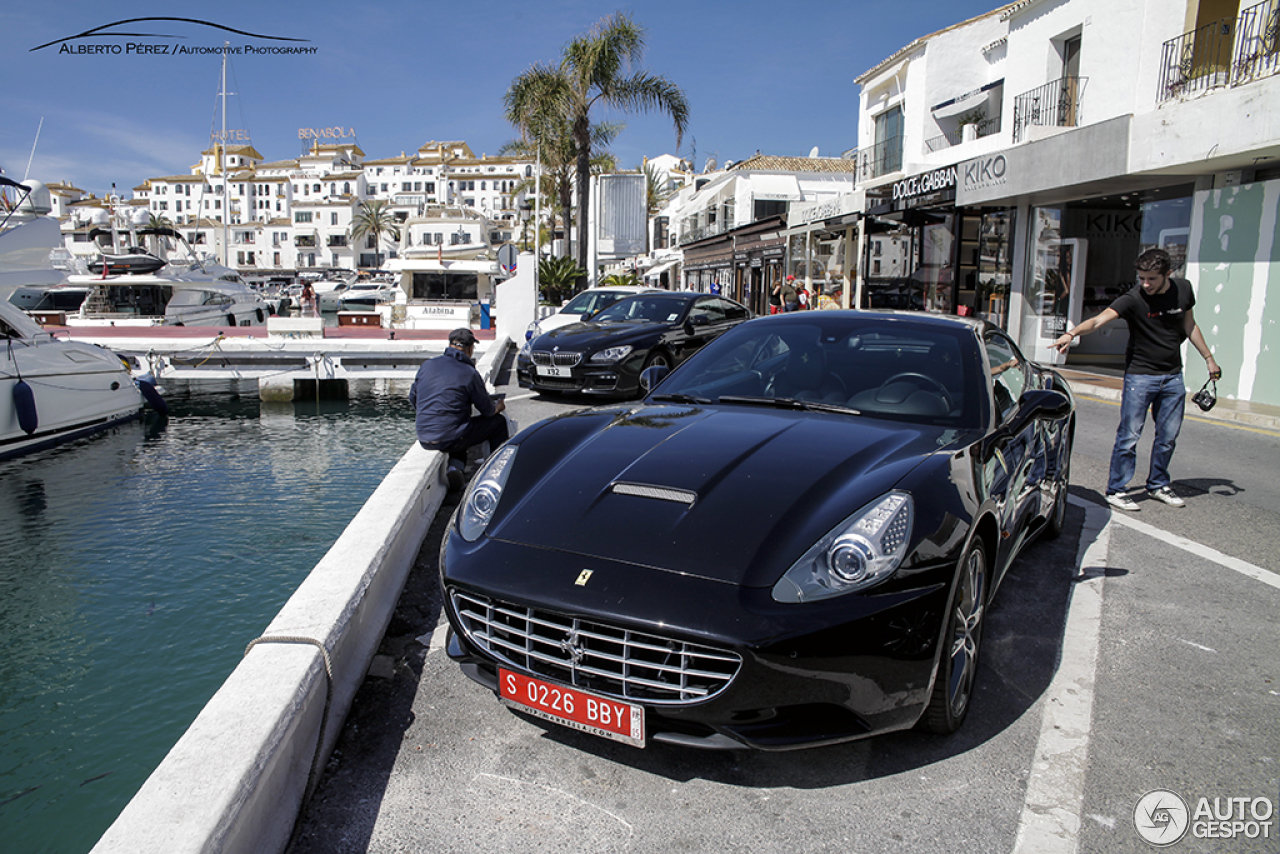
643	309
592	301
856	363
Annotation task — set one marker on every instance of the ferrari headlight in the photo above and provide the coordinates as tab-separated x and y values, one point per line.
861	551
480	501
611	354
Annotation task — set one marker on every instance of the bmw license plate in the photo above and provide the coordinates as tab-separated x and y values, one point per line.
553	371
576	709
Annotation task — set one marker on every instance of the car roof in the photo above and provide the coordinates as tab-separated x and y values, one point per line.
921	318
620	289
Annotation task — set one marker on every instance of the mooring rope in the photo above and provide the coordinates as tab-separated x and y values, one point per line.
312	775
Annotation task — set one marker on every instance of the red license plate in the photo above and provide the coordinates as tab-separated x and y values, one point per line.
579	710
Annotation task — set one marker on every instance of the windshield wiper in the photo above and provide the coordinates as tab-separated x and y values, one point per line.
789	403
680	398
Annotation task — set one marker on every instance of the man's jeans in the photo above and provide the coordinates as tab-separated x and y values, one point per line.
1166	397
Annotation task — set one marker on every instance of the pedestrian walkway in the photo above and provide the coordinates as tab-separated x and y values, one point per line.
1108	384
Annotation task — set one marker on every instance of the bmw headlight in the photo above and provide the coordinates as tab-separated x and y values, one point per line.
611	354
861	551
531	333
480	501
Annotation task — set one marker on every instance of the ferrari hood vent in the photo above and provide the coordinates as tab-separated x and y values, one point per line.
661	493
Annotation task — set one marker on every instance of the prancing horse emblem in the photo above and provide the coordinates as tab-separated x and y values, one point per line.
583	578
571	646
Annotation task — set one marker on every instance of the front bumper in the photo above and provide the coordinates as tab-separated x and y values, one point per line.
585	378
810	674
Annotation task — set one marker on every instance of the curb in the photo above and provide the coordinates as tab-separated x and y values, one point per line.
236	780
1226	410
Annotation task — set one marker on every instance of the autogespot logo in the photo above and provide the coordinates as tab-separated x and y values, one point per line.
1161	817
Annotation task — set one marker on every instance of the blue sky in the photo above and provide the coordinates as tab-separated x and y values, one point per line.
768	76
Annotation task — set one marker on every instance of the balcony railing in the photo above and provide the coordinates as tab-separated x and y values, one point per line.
986	127
880	159
1227	52
694	233
1055	104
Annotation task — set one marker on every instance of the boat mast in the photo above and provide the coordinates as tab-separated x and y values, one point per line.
222	162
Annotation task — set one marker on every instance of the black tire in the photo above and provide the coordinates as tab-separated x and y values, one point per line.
962	644
1057	522
657	357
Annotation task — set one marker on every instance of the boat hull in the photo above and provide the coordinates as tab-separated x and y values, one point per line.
73	390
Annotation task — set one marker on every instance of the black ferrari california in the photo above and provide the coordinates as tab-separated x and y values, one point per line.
792	540
605	355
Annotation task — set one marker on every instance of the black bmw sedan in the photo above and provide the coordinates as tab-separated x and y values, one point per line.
606	355
791	541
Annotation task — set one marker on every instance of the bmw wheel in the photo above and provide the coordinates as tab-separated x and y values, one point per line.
657	357
958	664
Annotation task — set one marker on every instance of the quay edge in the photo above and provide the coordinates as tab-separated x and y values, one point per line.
235	782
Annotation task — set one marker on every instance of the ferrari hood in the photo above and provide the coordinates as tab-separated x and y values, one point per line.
724	494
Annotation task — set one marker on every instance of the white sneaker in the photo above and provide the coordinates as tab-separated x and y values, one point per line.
1167	496
1122	502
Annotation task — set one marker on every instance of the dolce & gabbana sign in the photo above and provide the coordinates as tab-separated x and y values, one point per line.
938	181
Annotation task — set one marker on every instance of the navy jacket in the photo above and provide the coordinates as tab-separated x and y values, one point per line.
443	393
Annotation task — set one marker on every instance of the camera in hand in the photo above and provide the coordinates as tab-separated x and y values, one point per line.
1204	398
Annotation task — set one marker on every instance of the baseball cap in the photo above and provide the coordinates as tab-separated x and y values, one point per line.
463	337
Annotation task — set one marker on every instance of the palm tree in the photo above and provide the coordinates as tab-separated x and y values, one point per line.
558	278
593	71
620	280
375	218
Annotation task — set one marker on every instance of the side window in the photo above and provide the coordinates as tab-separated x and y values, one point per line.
709	308
1008	374
733	311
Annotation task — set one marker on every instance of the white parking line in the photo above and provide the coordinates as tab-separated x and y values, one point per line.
1050	821
1051	812
1243	567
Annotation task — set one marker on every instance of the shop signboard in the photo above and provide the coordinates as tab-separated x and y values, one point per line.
840	206
936	186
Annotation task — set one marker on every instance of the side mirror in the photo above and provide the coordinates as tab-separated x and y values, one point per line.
651	376
1046	404
1036	405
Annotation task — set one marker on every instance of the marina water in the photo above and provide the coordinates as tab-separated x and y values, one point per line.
134	569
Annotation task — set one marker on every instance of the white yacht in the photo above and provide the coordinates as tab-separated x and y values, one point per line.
51	390
446	268
366	296
152	276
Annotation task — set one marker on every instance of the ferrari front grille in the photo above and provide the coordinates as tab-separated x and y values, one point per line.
558	359
594	656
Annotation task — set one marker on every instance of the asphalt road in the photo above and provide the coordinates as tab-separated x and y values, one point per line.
1133	654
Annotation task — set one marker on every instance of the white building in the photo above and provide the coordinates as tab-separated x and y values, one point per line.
724	231
274	218
1025	157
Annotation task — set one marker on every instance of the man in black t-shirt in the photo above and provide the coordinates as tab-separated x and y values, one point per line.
1159	316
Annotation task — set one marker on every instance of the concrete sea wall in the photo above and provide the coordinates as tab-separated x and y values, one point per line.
236	779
